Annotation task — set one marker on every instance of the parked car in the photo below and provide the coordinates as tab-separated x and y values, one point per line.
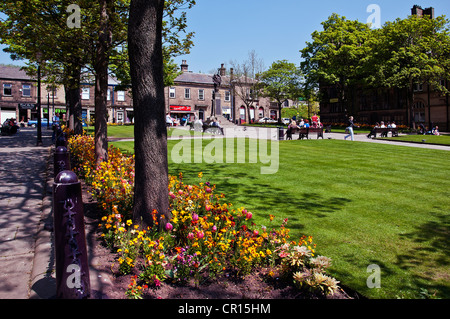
33	123
286	121
267	120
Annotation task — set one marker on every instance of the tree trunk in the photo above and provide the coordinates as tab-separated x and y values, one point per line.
279	112
146	66
73	100
101	84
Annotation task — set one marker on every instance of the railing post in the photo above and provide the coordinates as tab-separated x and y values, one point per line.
61	139
71	263
61	160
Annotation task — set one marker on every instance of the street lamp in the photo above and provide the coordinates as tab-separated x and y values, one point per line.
39	128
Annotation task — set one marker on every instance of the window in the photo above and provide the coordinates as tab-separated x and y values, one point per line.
227	96
108	95
187	94
121	96
7	89
201	95
85	93
172	93
418	87
52	92
26	90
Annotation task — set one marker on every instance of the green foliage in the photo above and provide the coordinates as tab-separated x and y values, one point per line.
176	41
41	26
335	53
282	81
348	53
409	51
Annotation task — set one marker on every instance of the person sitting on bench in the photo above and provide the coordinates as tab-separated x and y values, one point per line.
372	133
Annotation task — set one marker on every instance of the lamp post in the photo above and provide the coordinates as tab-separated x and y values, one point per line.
39	128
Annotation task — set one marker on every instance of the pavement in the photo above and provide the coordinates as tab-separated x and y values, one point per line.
23	169
26	222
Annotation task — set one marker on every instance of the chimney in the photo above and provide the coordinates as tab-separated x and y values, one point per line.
222	70
420	12
184	66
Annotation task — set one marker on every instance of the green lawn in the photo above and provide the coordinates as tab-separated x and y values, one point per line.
117	131
428	139
363	203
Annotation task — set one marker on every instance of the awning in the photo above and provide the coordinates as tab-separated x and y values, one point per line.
180	108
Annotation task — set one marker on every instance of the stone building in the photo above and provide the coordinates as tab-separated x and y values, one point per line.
18	99
192	96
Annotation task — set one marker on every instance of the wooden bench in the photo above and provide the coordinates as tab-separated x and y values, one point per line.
205	128
212	129
304	132
384	132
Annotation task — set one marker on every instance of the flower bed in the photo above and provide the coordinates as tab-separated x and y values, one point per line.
205	237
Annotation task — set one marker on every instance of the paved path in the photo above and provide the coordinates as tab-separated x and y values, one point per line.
363	138
272	134
22	176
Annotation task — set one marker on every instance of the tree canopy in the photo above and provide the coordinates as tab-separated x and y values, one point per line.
348	54
281	82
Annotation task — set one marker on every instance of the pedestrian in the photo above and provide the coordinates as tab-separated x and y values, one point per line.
350	127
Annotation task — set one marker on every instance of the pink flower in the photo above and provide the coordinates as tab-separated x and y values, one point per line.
171	194
156	281
190	236
208	208
180	192
249	215
194	217
169	226
214	228
255	233
208	189
200	235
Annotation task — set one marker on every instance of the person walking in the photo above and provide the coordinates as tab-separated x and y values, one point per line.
350	127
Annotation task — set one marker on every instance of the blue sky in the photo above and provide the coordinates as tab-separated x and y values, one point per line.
227	30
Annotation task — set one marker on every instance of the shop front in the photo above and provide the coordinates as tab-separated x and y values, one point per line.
182	113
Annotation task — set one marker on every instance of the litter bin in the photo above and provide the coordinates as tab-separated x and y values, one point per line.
281	133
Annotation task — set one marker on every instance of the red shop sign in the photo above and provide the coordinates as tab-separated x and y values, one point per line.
180	108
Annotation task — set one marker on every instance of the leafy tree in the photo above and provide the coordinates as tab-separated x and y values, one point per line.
176	41
282	81
408	52
334	56
40	26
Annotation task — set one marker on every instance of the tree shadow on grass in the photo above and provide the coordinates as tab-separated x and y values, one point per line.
246	189
431	252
